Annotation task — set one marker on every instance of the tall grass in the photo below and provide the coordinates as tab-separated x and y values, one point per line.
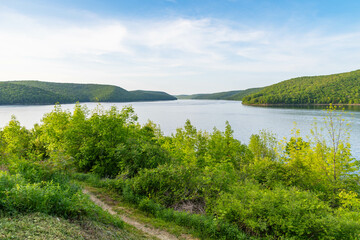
56	196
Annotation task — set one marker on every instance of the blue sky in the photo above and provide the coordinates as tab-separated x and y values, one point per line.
177	46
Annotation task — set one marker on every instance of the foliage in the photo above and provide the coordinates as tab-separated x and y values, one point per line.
286	212
60	198
263	145
106	142
230	95
206	226
299	188
36	92
141	151
169	185
192	147
334	161
340	88
15	140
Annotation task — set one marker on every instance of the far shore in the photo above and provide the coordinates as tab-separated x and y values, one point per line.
300	105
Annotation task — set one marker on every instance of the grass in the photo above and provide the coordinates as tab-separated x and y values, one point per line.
115	200
167	220
148	211
43	226
53	209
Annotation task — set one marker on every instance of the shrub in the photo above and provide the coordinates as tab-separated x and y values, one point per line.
137	154
19	196
206	226
168	185
287	212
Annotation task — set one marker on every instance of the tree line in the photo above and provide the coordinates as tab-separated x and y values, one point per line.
341	88
36	92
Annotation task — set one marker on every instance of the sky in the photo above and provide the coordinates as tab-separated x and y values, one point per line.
177	46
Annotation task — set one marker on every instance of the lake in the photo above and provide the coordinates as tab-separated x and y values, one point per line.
207	114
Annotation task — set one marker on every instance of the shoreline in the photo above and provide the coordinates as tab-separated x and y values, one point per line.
64	103
300	105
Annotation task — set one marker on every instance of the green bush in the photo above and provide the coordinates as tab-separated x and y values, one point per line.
48	197
149	206
19	196
137	154
287	212
168	185
38	171
7	182
206	226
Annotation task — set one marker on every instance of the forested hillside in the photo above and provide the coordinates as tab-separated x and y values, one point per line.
36	92
236	95
343	88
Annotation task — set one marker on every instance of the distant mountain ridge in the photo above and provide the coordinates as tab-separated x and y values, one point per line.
38	92
342	88
236	95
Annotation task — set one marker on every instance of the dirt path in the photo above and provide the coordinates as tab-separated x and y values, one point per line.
163	235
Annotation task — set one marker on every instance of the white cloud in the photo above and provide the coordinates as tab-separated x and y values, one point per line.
42	40
194	36
176	55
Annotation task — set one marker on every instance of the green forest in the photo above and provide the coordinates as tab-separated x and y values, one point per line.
36	92
208	182
236	95
343	88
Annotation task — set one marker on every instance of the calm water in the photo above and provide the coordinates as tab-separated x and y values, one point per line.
206	115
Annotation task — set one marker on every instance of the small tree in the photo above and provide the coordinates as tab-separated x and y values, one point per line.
263	145
323	163
15	139
332	151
